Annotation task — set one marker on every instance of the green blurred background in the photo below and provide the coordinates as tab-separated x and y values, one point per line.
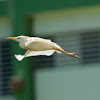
74	25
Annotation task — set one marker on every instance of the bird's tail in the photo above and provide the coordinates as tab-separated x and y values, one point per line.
67	53
19	57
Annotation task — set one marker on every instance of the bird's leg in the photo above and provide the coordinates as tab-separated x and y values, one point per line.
67	53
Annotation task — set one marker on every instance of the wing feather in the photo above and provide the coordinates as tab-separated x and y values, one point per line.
37	53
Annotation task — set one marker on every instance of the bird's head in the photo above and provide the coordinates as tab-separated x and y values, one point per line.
19	38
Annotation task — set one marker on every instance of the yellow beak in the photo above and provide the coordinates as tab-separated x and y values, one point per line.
13	38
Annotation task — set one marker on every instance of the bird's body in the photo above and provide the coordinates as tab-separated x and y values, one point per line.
38	46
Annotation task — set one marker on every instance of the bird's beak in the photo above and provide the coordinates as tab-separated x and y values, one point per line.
13	38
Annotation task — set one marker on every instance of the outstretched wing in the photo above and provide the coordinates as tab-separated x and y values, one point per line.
37	53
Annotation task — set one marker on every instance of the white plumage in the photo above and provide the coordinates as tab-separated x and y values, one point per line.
38	46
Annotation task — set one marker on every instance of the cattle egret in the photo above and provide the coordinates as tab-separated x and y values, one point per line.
38	46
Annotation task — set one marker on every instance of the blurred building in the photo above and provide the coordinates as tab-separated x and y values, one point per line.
74	25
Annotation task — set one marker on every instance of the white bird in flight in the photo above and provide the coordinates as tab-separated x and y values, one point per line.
38	46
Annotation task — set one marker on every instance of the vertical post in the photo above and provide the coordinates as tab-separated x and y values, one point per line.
22	71
22	80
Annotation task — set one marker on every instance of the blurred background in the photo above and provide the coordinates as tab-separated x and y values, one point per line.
75	26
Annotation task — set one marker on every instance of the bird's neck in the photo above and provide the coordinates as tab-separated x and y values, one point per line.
22	43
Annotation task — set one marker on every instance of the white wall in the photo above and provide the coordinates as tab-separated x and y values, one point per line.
65	21
74	83
82	83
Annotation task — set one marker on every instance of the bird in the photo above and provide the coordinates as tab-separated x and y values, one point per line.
36	46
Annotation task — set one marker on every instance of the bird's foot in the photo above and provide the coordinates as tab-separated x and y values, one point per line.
74	55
